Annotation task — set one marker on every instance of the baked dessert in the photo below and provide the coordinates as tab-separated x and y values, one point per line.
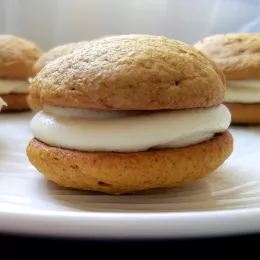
237	54
17	58
130	113
47	57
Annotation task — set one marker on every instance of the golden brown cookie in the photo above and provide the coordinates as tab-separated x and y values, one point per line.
118	173
237	54
244	113
131	72
17	57
55	53
15	102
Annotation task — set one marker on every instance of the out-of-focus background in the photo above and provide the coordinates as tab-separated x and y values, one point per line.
54	22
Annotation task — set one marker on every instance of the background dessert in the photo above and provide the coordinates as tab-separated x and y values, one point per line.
17	58
237	54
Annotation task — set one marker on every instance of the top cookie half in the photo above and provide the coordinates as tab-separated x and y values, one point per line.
55	53
17	57
131	72
237	54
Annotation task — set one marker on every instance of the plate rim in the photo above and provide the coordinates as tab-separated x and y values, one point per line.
130	225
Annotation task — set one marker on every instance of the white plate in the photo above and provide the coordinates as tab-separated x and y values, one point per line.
226	202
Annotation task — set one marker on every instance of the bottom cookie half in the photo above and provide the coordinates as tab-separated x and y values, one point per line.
118	173
15	102
244	113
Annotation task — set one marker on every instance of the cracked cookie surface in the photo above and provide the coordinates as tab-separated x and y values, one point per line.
237	54
131	72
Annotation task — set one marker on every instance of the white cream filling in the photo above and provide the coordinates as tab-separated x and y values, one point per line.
2	103
243	91
13	86
88	130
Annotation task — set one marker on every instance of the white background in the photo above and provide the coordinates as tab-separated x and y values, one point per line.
53	22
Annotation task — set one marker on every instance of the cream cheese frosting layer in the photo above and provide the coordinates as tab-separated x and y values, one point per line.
13	86
2	103
243	91
91	130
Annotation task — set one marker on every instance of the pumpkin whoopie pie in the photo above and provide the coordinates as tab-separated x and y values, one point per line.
17	58
238	55
129	113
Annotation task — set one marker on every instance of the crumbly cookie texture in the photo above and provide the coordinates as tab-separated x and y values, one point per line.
237	54
131	72
55	53
118	173
244	113
17	57
15	102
